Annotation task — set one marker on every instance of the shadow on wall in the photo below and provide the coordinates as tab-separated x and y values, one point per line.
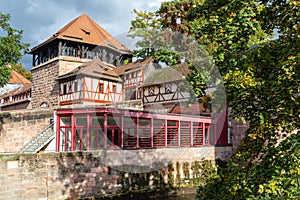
82	174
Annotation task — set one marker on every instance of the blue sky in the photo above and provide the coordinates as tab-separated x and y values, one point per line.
39	19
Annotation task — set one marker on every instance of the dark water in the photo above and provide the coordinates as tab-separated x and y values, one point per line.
178	197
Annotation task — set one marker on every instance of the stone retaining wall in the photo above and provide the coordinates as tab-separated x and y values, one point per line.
82	174
19	127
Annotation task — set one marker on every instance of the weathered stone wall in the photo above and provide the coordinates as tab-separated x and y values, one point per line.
19	127
45	88
81	174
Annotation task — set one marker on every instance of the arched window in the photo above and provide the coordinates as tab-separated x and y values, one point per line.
44	105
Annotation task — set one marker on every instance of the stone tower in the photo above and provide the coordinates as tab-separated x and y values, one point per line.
79	41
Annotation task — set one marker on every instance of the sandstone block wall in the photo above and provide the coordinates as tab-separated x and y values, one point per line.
81	174
67	63
19	127
45	86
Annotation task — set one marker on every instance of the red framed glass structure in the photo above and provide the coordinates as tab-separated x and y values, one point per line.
105	128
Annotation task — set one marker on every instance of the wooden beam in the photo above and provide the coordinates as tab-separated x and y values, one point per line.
59	48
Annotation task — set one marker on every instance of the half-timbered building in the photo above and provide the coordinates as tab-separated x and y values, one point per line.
80	41
16	94
92	82
165	87
164	91
134	75
83	64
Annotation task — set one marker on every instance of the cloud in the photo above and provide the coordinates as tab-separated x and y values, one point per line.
39	19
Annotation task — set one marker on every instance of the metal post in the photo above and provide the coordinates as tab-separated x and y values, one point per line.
203	133
137	132
122	130
151	131
89	131
58	134
166	133
105	130
191	134
73	132
178	131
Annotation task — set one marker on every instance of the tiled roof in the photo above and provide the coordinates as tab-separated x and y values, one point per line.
120	70
168	74
23	88
95	68
84	29
17	78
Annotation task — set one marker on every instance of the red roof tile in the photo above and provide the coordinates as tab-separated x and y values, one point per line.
17	78
95	68
23	88
120	70
167	74
84	29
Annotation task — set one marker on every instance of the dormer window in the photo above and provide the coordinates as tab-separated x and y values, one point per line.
88	32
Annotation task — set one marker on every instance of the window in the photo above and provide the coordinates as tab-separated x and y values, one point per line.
44	105
151	91
101	87
140	93
75	86
168	88
64	89
114	88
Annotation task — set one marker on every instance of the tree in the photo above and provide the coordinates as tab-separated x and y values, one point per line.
261	76
21	70
11	48
156	41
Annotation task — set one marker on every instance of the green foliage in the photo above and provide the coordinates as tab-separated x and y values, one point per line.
273	175
261	76
5	74
21	70
11	48
154	41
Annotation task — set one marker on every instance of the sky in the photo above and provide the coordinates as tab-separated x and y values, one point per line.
39	19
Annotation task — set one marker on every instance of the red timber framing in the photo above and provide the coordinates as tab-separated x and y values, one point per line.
103	128
86	89
134	78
